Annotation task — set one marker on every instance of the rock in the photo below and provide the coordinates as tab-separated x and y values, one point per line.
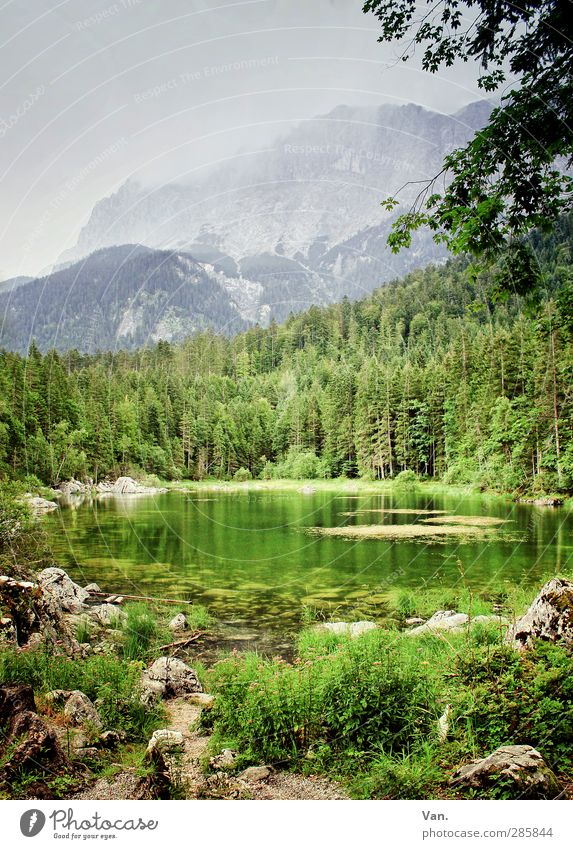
61	591
73	487
442	620
92	588
550	617
255	773
57	698
32	745
352	629
308	489
127	486
226	760
523	766
167	677
179	623
80	709
108	614
8	632
40	505
203	700
111	739
165	740
35	642
414	620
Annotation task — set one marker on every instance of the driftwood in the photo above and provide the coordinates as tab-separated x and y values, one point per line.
117	599
185	642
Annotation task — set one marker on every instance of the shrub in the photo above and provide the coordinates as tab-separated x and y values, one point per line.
406	479
364	696
242	474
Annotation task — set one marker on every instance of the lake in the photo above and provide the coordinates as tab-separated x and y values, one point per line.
249	556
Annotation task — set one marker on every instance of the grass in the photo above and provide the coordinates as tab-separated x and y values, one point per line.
112	683
365	710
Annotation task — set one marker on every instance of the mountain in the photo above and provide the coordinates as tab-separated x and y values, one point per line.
303	219
121	297
14	283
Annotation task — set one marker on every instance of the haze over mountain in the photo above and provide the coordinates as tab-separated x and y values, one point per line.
119	297
266	234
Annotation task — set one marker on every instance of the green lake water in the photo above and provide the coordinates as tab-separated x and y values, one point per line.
250	558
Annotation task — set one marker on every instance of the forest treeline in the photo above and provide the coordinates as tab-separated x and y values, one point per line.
428	374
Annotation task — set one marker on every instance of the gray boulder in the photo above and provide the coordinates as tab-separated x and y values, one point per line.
40	505
61	592
352	629
255	773
225	760
522	766
449	620
92	588
168	677
550	617
80	709
108	614
179	623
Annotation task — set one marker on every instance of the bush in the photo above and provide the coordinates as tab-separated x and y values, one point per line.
242	474
301	464
364	696
406	479
510	699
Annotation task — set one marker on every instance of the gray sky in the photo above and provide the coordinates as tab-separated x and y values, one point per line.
93	91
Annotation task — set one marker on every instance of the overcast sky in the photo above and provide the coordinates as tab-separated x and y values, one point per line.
94	91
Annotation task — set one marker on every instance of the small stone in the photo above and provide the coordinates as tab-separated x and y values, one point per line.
108	614
92	588
165	740
57	698
414	620
80	709
179	623
255	773
226	760
111	739
203	700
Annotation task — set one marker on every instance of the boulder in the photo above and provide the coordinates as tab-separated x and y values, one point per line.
255	773
108	614
32	745
40	505
521	766
73	487
550	617
59	589
352	629
80	709
111	739
179	623
127	486
307	489
166	741
168	677
92	588
57	698
449	620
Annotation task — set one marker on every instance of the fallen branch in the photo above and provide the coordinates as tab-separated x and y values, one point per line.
184	642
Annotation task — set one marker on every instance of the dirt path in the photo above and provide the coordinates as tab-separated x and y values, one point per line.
192	783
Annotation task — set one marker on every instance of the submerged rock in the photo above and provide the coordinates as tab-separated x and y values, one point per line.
352	629
168	677
550	617
521	766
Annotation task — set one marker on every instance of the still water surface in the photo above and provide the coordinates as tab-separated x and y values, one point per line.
250	558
